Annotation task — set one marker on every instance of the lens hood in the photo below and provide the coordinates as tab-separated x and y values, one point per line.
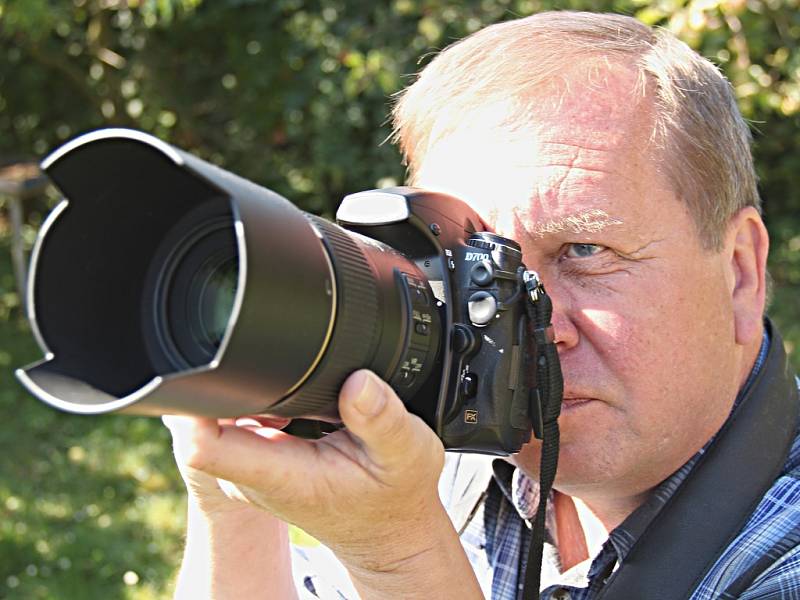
90	300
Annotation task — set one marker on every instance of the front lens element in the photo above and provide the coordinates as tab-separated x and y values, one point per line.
197	294
195	274
210	300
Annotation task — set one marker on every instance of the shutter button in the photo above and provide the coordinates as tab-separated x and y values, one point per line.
482	308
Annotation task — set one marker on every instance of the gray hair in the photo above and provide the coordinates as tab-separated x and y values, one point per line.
697	124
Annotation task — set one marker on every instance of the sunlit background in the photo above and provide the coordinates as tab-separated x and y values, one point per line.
292	94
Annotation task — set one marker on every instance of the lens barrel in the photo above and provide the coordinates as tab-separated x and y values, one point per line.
163	284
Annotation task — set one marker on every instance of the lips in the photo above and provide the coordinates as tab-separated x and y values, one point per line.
572	403
574	400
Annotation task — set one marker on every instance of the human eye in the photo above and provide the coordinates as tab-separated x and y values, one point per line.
583	250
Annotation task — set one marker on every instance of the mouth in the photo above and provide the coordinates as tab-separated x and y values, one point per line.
569	405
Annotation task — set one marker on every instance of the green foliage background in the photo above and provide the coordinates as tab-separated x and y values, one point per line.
293	94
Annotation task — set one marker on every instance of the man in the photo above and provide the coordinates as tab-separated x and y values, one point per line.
617	158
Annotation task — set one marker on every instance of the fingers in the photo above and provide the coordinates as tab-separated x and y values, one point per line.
258	421
372	412
187	431
264	457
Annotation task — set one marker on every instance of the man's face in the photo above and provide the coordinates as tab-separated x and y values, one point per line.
642	313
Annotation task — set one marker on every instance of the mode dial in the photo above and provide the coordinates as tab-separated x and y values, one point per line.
479	243
506	253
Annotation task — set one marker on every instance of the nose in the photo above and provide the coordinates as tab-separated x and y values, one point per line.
564	329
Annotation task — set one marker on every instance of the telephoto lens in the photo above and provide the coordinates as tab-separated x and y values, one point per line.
163	284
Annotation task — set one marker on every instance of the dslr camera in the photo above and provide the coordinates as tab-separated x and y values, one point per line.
163	284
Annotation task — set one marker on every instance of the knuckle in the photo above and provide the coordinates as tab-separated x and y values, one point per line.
197	451
395	421
395	430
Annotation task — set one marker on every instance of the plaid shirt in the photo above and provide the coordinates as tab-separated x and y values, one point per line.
497	537
492	511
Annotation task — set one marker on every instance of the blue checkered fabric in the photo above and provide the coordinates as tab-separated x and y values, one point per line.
497	538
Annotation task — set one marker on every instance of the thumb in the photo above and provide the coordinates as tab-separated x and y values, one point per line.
373	413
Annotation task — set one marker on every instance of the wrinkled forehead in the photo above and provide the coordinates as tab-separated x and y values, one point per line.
592	96
587	137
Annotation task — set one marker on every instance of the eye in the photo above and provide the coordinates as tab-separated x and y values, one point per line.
583	250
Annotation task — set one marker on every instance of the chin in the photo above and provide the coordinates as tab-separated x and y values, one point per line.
585	462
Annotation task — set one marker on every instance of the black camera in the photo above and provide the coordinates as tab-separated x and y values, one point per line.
163	284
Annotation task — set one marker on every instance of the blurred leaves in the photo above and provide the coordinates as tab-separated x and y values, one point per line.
294	94
91	507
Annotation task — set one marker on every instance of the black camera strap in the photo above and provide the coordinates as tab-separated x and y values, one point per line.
545	406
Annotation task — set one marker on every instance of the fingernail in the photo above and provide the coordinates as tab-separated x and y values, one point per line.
370	399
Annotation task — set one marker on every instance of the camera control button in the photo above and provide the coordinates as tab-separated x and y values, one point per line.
421	317
482	308
451	264
422	328
410	368
469	385
464	340
406	376
482	273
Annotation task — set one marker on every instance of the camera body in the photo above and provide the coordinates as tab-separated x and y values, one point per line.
162	284
472	390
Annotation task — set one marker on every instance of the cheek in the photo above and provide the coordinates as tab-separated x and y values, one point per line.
658	341
621	338
637	337
631	314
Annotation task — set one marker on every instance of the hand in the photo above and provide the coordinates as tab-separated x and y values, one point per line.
212	496
369	492
372	484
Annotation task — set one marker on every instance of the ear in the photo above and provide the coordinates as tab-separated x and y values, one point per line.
746	247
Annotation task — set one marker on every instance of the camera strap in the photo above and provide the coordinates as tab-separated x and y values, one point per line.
545	395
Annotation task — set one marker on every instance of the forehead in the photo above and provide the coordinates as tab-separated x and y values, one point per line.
584	147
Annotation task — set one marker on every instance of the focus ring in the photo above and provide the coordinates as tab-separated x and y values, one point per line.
355	330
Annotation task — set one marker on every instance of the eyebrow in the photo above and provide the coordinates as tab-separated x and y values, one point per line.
588	221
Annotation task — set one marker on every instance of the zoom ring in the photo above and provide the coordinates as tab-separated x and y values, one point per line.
355	331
